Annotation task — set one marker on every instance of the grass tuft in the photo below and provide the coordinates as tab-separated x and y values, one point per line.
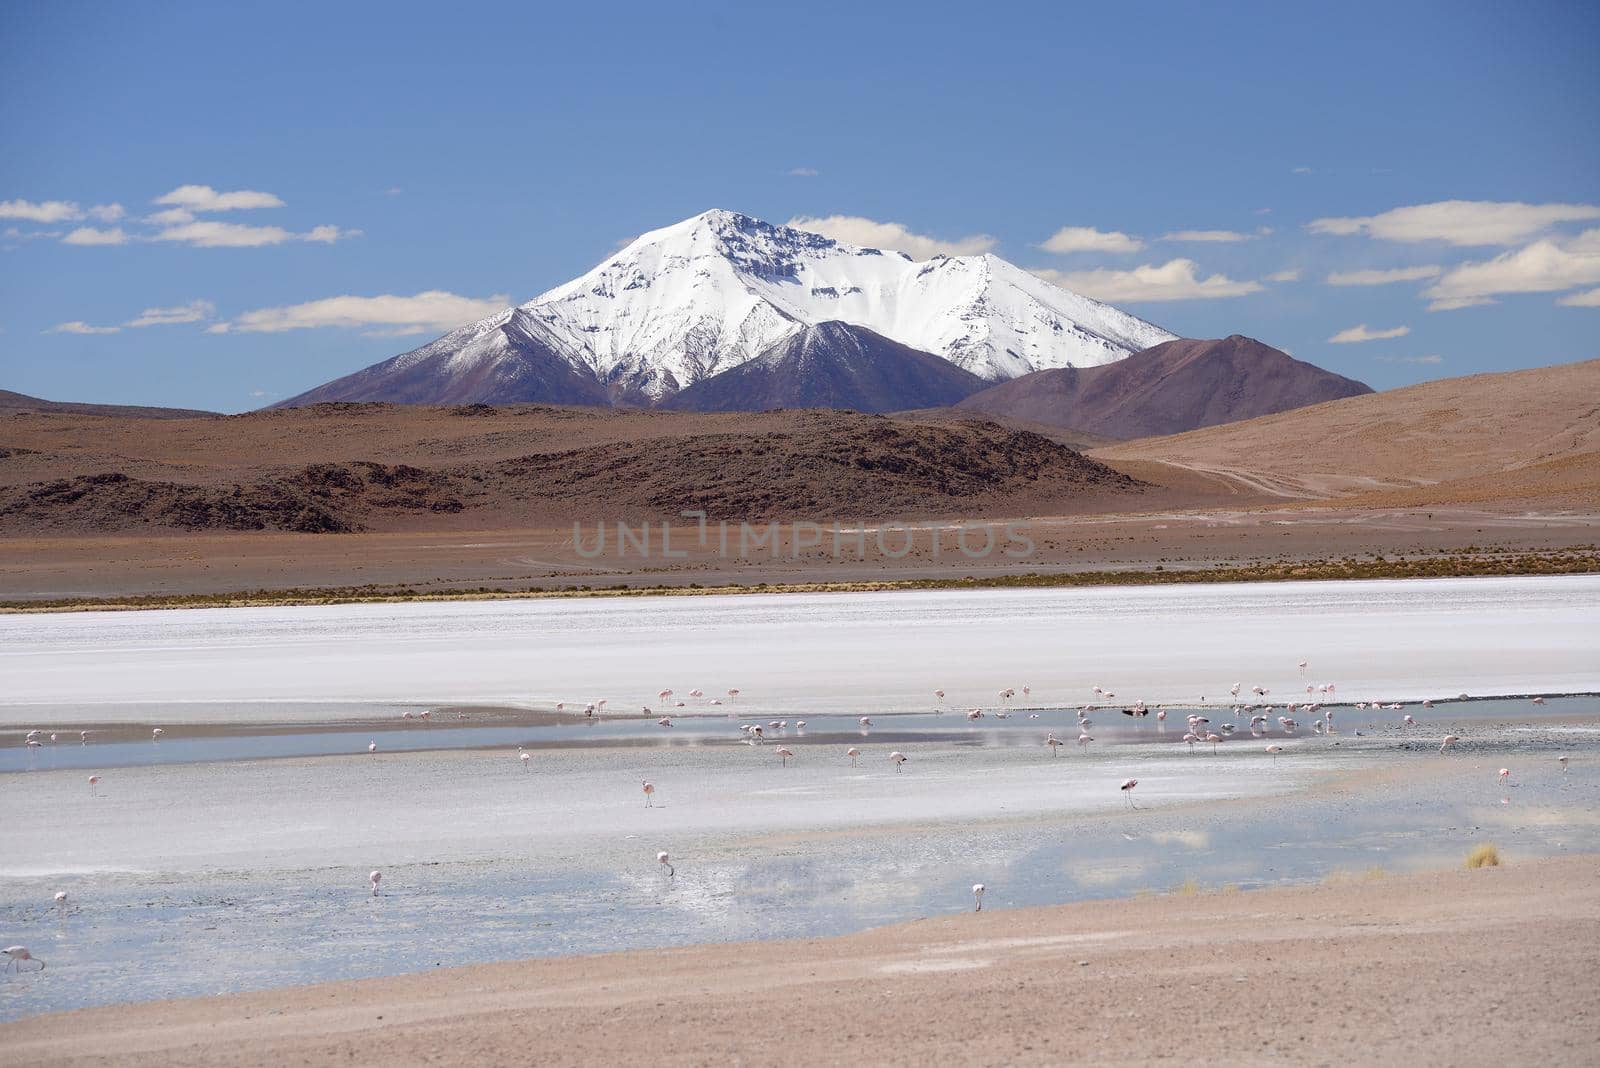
1483	855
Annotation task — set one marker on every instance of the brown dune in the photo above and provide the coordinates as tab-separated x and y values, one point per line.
1519	434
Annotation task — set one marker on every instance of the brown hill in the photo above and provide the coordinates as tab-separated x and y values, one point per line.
832	365
1481	438
19	403
1172	387
335	467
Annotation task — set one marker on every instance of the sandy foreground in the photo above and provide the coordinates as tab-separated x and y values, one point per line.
1492	966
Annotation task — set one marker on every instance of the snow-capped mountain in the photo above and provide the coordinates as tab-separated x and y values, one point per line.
684	303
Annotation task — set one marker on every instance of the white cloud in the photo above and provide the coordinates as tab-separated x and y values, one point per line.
1591	299
431	310
868	233
33	235
393	191
1174	280
194	312
78	326
1216	236
1361	333
1088	239
802	172
1410	359
47	211
1457	303
327	235
1460	222
1291	275
88	235
1301	170
1546	266
107	212
205	198
1383	278
170	217
209	233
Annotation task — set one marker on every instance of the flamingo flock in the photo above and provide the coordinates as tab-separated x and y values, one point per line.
1199	729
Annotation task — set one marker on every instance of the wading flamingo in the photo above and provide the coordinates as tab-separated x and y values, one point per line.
522	755
61	903
17	955
666	862
1127	790
375	878
1054	743
977	895
649	792
898	758
1449	740
852	753
785	752
1274	750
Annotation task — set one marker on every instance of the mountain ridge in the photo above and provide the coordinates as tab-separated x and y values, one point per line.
684	303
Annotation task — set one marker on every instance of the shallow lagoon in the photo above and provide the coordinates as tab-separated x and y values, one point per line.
233	853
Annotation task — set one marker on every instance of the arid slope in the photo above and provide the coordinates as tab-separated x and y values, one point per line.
1478	439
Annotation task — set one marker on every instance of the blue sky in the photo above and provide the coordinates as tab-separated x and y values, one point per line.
313	151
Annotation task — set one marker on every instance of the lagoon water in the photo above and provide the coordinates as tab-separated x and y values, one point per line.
233	853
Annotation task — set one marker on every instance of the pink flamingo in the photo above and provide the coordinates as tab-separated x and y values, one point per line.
522	755
666	862
898	758
852	753
649	792
1054	743
372	747
1449	740
17	955
977	895
785	752
1505	773
374	879
1127	790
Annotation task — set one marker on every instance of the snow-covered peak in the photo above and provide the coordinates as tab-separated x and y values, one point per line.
695	298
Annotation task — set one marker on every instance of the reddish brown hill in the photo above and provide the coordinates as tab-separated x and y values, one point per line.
1172	387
